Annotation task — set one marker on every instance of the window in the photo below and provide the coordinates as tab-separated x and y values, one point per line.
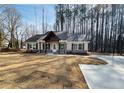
30	46
81	46
34	46
74	46
54	46
61	46
43	45
48	46
39	45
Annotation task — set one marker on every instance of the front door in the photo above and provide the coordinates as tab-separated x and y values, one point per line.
54	50
48	48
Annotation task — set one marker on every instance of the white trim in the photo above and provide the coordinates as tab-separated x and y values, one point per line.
77	42
31	42
40	40
64	41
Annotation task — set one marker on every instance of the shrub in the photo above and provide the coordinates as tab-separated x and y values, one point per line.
9	50
31	51
77	52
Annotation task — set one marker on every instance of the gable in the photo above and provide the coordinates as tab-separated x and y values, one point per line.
51	37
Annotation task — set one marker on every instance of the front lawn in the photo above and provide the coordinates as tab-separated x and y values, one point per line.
19	70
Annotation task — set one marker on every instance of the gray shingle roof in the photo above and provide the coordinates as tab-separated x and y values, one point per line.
62	36
77	37
34	38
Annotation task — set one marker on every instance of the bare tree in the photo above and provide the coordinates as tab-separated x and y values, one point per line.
3	34
13	22
43	26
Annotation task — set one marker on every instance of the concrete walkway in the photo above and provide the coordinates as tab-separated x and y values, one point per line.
110	76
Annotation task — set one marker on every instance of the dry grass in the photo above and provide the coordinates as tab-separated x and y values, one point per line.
42	71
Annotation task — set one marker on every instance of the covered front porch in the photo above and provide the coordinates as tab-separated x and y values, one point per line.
52	47
51	44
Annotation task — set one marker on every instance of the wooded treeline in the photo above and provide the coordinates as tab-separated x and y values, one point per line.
102	23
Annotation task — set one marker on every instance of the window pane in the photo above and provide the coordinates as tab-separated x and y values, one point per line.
47	46
61	46
30	46
54	46
74	47
83	46
34	46
80	47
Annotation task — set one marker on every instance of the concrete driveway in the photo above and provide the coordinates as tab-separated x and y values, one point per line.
110	76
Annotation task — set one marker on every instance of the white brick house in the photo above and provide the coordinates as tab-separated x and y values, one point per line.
58	42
